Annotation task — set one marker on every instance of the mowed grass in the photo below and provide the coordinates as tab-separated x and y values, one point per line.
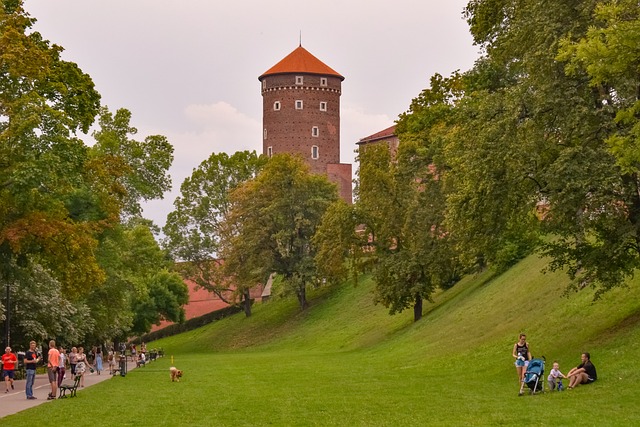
345	362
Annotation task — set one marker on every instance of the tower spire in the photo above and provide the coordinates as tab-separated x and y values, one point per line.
300	44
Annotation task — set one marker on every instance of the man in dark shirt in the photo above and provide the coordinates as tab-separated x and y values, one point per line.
30	361
584	373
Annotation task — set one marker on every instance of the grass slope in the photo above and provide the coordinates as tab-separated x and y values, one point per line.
345	361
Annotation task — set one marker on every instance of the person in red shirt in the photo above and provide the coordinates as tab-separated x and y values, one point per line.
9	361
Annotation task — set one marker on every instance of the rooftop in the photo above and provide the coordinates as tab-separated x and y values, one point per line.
301	61
383	134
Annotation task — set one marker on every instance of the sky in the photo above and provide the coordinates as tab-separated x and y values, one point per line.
188	69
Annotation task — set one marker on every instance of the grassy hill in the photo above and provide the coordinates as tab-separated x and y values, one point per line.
345	361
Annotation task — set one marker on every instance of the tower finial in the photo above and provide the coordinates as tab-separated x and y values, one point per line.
300	45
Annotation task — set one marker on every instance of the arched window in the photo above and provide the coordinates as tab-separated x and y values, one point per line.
314	152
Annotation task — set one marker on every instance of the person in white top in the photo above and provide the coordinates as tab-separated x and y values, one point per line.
555	377
62	366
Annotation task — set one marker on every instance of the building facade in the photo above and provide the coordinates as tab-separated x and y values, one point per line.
301	115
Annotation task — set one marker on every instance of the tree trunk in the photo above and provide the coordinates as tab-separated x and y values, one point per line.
417	308
246	302
302	296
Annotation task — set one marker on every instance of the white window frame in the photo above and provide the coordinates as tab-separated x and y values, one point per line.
315	152
323	81
276	106
269	151
323	105
315	132
299	104
264	84
299	80
264	133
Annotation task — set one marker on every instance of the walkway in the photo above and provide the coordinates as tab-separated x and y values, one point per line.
16	400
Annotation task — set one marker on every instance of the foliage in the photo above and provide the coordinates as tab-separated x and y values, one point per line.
544	137
167	293
272	221
44	101
142	166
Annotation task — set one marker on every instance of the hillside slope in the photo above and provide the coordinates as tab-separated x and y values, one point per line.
483	312
346	362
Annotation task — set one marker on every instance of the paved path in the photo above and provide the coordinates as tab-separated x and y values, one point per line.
16	400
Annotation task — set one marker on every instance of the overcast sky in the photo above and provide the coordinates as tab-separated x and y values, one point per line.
188	69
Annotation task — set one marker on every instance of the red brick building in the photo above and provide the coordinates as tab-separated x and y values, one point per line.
301	115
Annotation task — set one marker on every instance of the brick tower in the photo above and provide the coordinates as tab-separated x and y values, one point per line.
301	115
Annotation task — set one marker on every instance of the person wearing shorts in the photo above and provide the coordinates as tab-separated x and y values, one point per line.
9	361
584	373
52	369
522	355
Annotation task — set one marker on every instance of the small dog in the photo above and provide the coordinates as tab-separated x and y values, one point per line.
175	374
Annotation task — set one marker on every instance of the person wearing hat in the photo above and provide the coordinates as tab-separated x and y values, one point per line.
9	361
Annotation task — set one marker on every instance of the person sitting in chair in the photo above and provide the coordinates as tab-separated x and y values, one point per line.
584	373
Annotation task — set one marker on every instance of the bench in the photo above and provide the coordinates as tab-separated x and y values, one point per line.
72	388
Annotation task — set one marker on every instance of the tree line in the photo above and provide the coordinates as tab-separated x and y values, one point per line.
535	148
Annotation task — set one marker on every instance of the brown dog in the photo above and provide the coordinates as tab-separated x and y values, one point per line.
175	373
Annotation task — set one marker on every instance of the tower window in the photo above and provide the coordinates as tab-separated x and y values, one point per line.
269	151
298	105
314	152
315	131
276	106
299	80
264	133
323	81
264	84
323	106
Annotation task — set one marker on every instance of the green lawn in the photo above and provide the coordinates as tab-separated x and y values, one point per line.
347	362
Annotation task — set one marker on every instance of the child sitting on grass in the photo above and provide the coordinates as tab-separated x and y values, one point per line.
555	378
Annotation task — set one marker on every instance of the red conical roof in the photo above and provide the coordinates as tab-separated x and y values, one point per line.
301	61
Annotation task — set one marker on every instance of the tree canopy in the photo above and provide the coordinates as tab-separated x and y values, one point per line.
272	221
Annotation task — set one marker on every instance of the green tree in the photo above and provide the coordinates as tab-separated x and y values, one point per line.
44	101
272	221
193	229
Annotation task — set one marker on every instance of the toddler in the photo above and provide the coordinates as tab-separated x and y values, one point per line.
555	378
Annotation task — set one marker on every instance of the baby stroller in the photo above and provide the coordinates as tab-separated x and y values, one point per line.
534	376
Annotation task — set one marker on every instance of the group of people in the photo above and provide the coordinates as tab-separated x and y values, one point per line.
57	362
584	373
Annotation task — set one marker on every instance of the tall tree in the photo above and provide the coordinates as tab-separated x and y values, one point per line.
193	229
272	221
44	101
